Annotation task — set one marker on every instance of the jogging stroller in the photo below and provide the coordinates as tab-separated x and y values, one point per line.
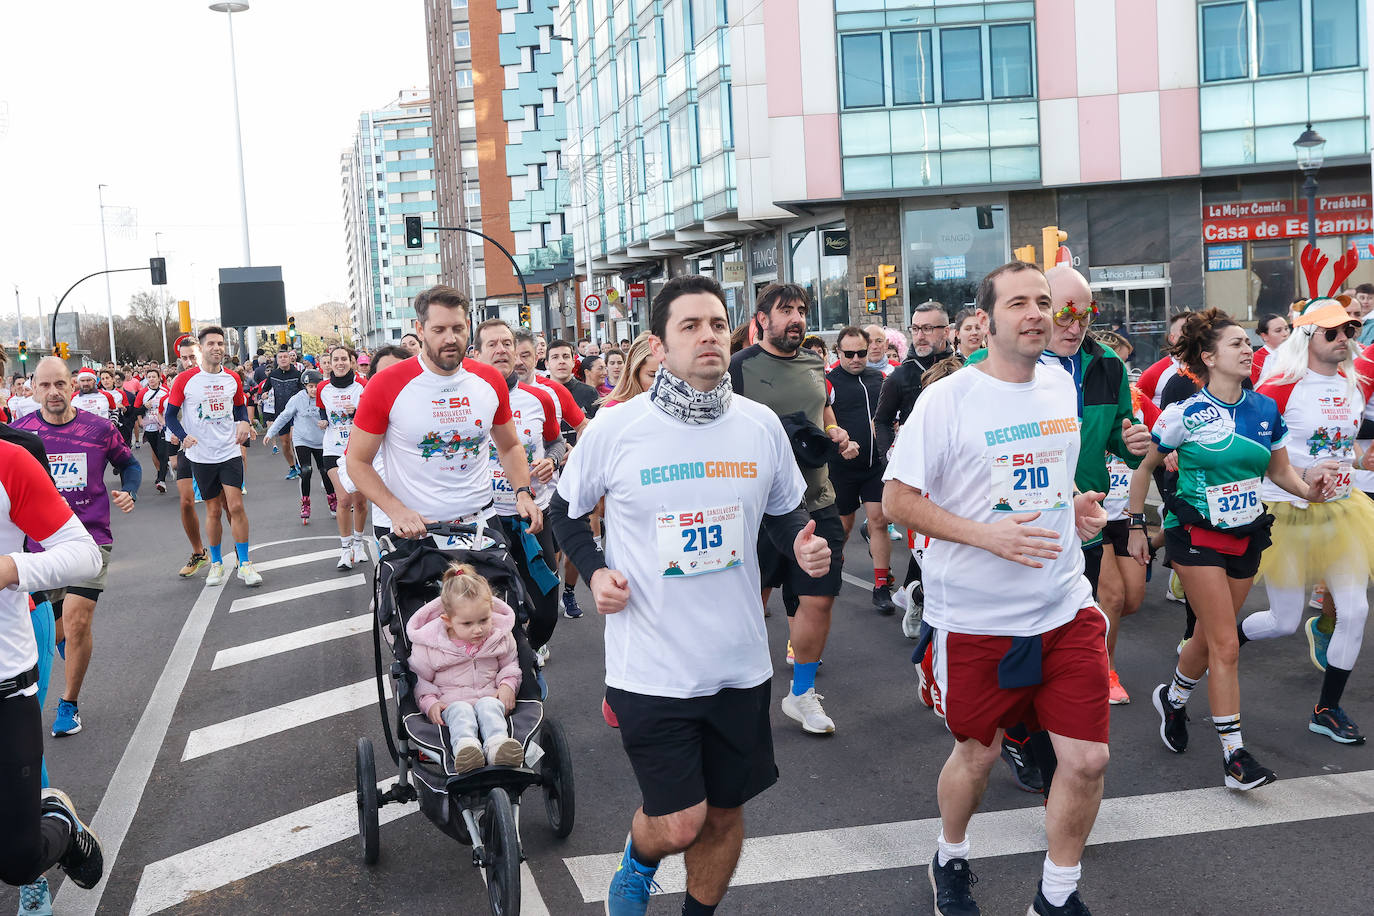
480	808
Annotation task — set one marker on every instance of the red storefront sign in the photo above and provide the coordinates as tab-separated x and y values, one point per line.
1280	219
639	291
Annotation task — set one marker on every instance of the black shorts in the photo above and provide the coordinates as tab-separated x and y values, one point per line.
778	569
717	749
269	418
1180	551
183	466
1118	535
329	462
213	478
852	488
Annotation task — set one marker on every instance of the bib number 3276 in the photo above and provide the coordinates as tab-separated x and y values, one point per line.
1230	505
700	541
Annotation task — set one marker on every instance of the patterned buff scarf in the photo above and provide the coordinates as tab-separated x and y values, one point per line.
680	400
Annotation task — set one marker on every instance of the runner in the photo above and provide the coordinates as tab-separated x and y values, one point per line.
21	401
572	420
90	397
970	332
1273	330
1215	529
929	345
279	387
412	343
211	399
1152	381
778	374
186	494
308	440
641	365
984	468
687	662
337	402
148	411
80	447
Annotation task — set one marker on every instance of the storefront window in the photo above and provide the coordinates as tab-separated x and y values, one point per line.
947	255
824	276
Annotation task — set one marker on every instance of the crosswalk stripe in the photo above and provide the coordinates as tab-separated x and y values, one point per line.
280	718
265	565
855	580
310	589
910	844
275	645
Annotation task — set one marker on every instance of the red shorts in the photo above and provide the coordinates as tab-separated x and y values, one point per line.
1070	700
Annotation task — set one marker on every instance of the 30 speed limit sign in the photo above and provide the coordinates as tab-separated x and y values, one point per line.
592	302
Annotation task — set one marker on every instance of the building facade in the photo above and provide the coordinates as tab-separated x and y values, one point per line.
389	174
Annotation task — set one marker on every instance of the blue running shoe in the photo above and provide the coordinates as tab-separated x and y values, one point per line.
1336	725
35	899
570	607
68	720
630	888
62	649
1317	641
294	473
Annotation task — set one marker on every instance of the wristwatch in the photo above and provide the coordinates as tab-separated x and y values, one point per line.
519	490
1137	519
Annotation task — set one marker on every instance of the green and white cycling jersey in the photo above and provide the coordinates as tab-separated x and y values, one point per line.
1223	453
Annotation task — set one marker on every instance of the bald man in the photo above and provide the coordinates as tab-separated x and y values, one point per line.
877	350
79	445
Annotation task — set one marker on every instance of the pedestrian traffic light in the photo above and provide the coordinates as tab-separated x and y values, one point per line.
1025	253
23	351
1052	236
158	268
281	338
524	316
414	239
887	282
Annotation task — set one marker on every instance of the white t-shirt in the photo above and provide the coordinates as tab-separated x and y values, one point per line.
536	422
339	405
435	430
207	401
20	405
100	402
153	400
670	488
980	448
1323	418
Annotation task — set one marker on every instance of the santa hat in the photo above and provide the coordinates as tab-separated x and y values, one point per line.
87	370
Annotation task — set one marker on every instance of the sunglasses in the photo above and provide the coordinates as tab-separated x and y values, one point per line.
1351	329
853	354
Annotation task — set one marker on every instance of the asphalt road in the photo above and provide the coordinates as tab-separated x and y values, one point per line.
235	806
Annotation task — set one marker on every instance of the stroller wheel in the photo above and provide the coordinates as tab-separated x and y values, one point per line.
556	774
367	802
501	855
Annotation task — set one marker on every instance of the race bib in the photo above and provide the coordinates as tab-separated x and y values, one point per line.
1230	505
1345	481
1120	474
704	541
68	470
216	408
269	401
1031	481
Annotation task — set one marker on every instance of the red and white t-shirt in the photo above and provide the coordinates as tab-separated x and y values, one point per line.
435	430
30	505
339	405
100	402
1153	379
1323	417
536	422
154	401
207	401
564	404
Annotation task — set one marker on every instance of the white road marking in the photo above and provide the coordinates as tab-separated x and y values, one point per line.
281	718
855	580
302	559
910	844
275	645
309	590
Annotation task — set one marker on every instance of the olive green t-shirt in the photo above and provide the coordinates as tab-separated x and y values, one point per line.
787	385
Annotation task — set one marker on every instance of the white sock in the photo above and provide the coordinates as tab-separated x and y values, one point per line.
950	850
346	541
1058	882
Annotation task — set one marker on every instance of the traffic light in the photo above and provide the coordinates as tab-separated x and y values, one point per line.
871	292
184	316
23	351
414	239
291	327
158	268
1052	236
1025	253
61	351
524	316
281	338
887	282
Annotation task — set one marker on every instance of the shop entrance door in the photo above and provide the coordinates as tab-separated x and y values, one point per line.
1137	297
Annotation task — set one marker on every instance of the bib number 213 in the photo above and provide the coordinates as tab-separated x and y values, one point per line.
703	537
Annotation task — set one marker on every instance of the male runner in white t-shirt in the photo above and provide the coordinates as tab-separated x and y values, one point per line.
690	474
985	467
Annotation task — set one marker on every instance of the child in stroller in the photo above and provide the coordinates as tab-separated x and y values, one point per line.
468	670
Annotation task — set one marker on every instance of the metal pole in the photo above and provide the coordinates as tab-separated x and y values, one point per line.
1309	188
20	306
104	248
238	144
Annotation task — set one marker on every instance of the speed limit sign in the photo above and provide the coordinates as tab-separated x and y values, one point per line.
592	302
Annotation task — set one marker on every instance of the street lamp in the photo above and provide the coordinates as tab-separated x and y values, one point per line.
230	8
1309	148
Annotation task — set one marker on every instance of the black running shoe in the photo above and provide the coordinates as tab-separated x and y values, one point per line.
882	600
1024	769
1173	722
1074	906
1336	725
1244	772
83	861
951	883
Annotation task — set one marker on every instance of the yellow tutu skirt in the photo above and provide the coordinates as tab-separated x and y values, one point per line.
1320	541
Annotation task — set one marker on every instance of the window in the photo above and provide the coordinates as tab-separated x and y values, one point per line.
464	78
460	4
396	332
1280	36
1225	42
1010	53
704	18
1335	36
469	158
961	64
862	70
913	69
467	117
473	198
672	31
462	38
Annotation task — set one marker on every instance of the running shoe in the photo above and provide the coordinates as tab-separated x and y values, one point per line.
62	649
1173	723
1116	694
161	486
925	679
541	655
1074	906
791	659
468	756
84	862
193	565
609	714
951	883
912	600
276	449
505	752
1175	589
294	473
570	607
807	710
1317	642
1244	772
305	510
863	531
333	500
1335	724
249	575
893	534
1025	772
216	575
882	600
359	549
630	887
35	899
346	557
68	721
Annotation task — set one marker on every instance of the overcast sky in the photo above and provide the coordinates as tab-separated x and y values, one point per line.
136	95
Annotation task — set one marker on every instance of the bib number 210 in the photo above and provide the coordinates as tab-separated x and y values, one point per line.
703	537
1030	478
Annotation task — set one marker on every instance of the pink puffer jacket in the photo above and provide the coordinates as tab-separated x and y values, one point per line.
450	671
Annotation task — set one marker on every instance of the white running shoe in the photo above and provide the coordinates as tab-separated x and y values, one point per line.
248	575
541	655
216	575
360	554
807	710
913	606
345	557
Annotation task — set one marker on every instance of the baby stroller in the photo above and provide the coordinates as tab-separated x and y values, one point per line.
480	808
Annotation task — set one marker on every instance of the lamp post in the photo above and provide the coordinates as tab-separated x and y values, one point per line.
105	250
230	8
1309	148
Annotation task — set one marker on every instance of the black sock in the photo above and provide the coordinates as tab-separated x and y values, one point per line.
1192	618
647	863
1333	685
1017	734
691	906
1240	632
